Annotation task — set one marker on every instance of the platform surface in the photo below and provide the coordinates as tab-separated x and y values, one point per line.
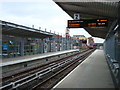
92	73
16	60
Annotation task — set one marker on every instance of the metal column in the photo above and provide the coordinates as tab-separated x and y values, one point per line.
118	43
42	46
119	13
0	52
22	47
50	39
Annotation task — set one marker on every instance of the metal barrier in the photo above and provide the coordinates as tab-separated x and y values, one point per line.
112	51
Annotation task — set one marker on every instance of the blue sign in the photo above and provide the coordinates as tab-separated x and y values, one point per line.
5	47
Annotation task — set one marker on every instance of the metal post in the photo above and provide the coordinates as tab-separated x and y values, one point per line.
22	47
50	39
66	43
118	13
43	49
39	46
42	46
58	41
118	43
39	28
1	52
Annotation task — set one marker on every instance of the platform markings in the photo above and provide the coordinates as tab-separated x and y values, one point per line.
66	76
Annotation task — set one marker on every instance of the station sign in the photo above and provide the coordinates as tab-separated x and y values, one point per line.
76	16
5	46
87	23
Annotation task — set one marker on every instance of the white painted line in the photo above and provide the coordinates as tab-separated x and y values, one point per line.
66	76
69	73
35	58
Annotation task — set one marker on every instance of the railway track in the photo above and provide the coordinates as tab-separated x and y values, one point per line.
33	70
11	78
45	76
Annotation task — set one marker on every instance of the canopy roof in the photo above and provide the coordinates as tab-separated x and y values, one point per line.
23	31
92	10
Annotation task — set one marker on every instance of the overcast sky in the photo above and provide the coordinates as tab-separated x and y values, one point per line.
42	13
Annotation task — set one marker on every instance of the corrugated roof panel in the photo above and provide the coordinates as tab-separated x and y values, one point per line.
92	9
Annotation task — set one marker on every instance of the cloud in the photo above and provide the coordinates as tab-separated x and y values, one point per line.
28	8
26	21
25	0
40	13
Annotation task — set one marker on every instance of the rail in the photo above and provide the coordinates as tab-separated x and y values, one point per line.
41	73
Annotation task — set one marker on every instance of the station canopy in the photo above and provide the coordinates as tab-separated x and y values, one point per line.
92	9
9	28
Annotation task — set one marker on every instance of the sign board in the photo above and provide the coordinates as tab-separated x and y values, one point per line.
5	46
76	16
87	23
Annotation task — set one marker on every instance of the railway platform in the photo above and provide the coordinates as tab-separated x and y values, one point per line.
19	64
11	61
91	73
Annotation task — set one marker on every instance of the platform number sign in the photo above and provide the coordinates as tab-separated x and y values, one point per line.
76	16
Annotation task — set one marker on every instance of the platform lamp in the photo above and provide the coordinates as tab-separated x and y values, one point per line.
45	29
32	26
39	28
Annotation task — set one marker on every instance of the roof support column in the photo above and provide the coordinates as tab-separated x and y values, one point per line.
50	39
42	46
119	13
22	47
118	43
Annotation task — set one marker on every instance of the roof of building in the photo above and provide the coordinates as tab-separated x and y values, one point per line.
92	9
9	28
